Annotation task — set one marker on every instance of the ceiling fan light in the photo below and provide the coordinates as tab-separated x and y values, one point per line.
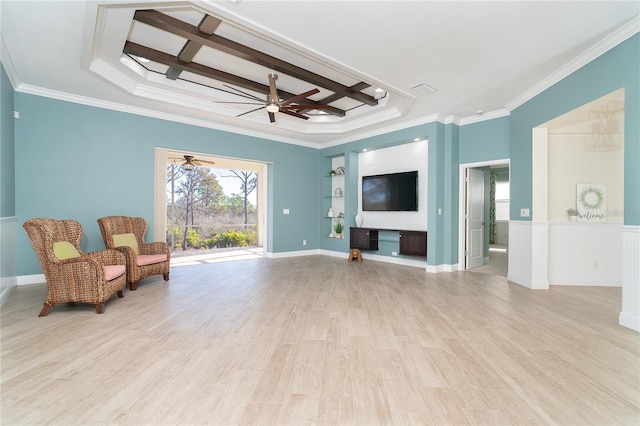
188	164
273	108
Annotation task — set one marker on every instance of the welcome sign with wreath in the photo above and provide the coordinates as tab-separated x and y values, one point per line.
591	202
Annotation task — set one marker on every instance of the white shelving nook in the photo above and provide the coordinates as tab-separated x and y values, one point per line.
336	195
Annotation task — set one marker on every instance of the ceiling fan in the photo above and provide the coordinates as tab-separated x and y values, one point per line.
190	162
274	103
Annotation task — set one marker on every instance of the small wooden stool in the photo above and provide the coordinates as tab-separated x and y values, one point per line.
355	254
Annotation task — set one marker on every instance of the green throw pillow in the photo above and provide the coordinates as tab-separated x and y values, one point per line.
128	240
64	250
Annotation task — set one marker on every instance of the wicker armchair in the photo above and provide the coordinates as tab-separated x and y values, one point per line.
143	259
74	276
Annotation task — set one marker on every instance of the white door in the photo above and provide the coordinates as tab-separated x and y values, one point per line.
474	249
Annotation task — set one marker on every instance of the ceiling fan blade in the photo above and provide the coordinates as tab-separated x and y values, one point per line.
248	95
306	106
273	92
300	96
272	117
249	112
193	161
293	114
239	103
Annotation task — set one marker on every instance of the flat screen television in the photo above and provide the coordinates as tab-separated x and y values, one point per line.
393	192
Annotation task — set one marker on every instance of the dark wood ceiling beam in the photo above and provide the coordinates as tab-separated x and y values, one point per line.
135	49
207	26
183	29
356	87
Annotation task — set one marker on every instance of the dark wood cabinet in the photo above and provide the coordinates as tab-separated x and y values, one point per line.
364	238
413	243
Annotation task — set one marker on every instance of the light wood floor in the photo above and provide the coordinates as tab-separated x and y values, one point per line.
317	340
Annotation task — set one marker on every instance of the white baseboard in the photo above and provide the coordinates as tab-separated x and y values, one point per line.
285	254
31	279
528	282
365	256
585	281
629	321
443	268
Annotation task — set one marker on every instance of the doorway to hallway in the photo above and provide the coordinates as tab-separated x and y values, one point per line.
484	216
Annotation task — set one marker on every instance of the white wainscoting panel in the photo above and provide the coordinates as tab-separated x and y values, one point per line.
7	257
519	269
630	314
540	255
585	254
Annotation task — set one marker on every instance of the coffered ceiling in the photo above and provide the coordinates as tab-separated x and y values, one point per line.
305	72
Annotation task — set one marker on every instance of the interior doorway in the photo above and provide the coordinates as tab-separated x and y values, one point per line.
210	208
484	216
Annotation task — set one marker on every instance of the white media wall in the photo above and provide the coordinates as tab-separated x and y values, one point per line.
401	158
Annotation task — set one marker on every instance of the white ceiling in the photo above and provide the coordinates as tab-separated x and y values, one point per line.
479	56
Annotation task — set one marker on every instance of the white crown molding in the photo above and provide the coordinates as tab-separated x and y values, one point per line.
623	33
63	96
484	117
383	130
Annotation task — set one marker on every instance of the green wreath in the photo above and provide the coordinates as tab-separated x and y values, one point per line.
599	198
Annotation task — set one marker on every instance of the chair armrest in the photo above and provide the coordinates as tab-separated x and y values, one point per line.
157	247
128	253
108	257
78	269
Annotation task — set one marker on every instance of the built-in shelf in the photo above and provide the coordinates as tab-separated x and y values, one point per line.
334	193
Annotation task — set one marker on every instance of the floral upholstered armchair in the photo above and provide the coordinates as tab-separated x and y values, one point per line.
143	259
71	275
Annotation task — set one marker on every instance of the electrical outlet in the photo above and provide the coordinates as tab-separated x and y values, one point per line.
394	253
524	212
285	211
304	242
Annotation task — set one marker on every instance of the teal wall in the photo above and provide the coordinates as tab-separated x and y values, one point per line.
451	201
437	180
7	147
617	68
485	141
81	162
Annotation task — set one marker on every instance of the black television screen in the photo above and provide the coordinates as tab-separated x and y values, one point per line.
390	192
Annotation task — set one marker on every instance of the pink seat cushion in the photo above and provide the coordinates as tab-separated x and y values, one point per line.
113	271
148	259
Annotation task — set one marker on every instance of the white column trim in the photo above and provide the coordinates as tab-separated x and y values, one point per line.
630	313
